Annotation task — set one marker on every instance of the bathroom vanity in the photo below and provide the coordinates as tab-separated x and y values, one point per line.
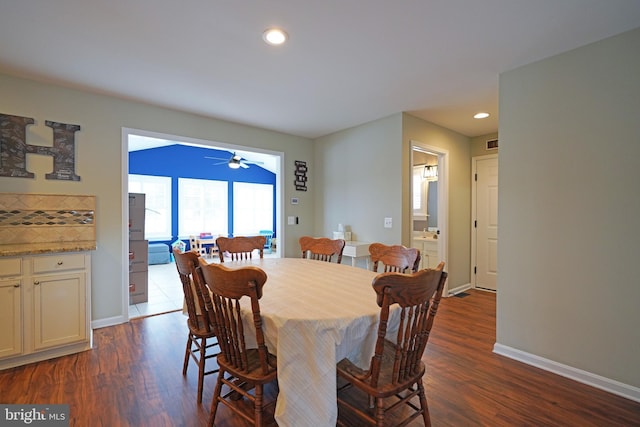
428	246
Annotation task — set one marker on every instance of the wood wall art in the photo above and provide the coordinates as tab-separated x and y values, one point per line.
301	175
14	148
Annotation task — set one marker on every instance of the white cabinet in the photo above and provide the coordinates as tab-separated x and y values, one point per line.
10	306
430	256
49	308
428	252
58	310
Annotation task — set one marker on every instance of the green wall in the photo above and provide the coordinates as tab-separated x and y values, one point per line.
569	200
100	160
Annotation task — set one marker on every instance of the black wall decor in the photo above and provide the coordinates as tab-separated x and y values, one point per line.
14	148
301	175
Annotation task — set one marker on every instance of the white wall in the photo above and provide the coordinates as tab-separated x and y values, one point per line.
358	171
459	183
569	203
99	157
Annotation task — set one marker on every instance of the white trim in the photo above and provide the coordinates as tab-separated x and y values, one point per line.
584	377
459	289
110	321
124	261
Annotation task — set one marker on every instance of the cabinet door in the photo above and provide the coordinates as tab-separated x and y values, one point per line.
10	317
431	259
59	310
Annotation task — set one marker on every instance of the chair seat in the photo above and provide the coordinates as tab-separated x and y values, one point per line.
200	330
254	372
359	377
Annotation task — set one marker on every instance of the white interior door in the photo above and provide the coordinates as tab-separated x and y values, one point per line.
486	223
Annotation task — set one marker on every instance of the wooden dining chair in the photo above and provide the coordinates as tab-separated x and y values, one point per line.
240	247
396	369
201	335
394	258
241	369
268	234
321	248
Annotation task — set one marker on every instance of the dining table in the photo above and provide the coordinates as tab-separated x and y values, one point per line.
314	314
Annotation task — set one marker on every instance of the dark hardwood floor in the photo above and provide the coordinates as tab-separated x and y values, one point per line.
133	377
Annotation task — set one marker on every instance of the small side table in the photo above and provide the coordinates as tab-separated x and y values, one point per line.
355	250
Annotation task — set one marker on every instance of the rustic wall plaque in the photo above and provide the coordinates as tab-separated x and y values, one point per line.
301	175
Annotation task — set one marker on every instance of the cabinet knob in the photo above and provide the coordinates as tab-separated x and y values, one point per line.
17	285
36	282
59	262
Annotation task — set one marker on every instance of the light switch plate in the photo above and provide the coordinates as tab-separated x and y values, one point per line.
388	223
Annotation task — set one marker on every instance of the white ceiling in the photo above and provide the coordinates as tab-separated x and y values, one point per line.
347	61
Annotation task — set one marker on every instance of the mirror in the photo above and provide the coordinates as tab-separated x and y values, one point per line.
425	190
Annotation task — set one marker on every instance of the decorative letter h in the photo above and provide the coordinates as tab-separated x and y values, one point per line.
14	148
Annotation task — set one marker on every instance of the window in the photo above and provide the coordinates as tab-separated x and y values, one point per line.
202	207
157	190
252	208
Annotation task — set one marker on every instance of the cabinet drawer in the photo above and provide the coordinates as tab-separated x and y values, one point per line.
10	267
58	262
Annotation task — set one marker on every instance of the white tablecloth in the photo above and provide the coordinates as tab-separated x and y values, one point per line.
314	314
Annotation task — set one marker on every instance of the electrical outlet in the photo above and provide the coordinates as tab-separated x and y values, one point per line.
388	223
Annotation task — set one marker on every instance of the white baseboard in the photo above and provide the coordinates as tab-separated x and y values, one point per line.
459	289
597	381
109	321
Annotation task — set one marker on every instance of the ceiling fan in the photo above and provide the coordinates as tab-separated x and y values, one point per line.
234	162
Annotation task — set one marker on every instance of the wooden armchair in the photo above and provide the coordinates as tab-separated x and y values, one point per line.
395	258
200	330
240	247
321	248
242	369
396	369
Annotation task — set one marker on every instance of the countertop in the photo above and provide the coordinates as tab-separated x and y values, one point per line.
425	238
48	247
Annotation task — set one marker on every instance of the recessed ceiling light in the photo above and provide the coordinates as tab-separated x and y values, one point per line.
275	36
481	116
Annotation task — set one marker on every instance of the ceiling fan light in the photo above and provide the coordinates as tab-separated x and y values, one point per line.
234	165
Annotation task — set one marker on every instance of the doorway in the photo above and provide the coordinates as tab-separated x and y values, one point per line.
429	204
484	239
270	160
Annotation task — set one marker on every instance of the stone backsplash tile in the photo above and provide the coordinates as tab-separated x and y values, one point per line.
44	218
